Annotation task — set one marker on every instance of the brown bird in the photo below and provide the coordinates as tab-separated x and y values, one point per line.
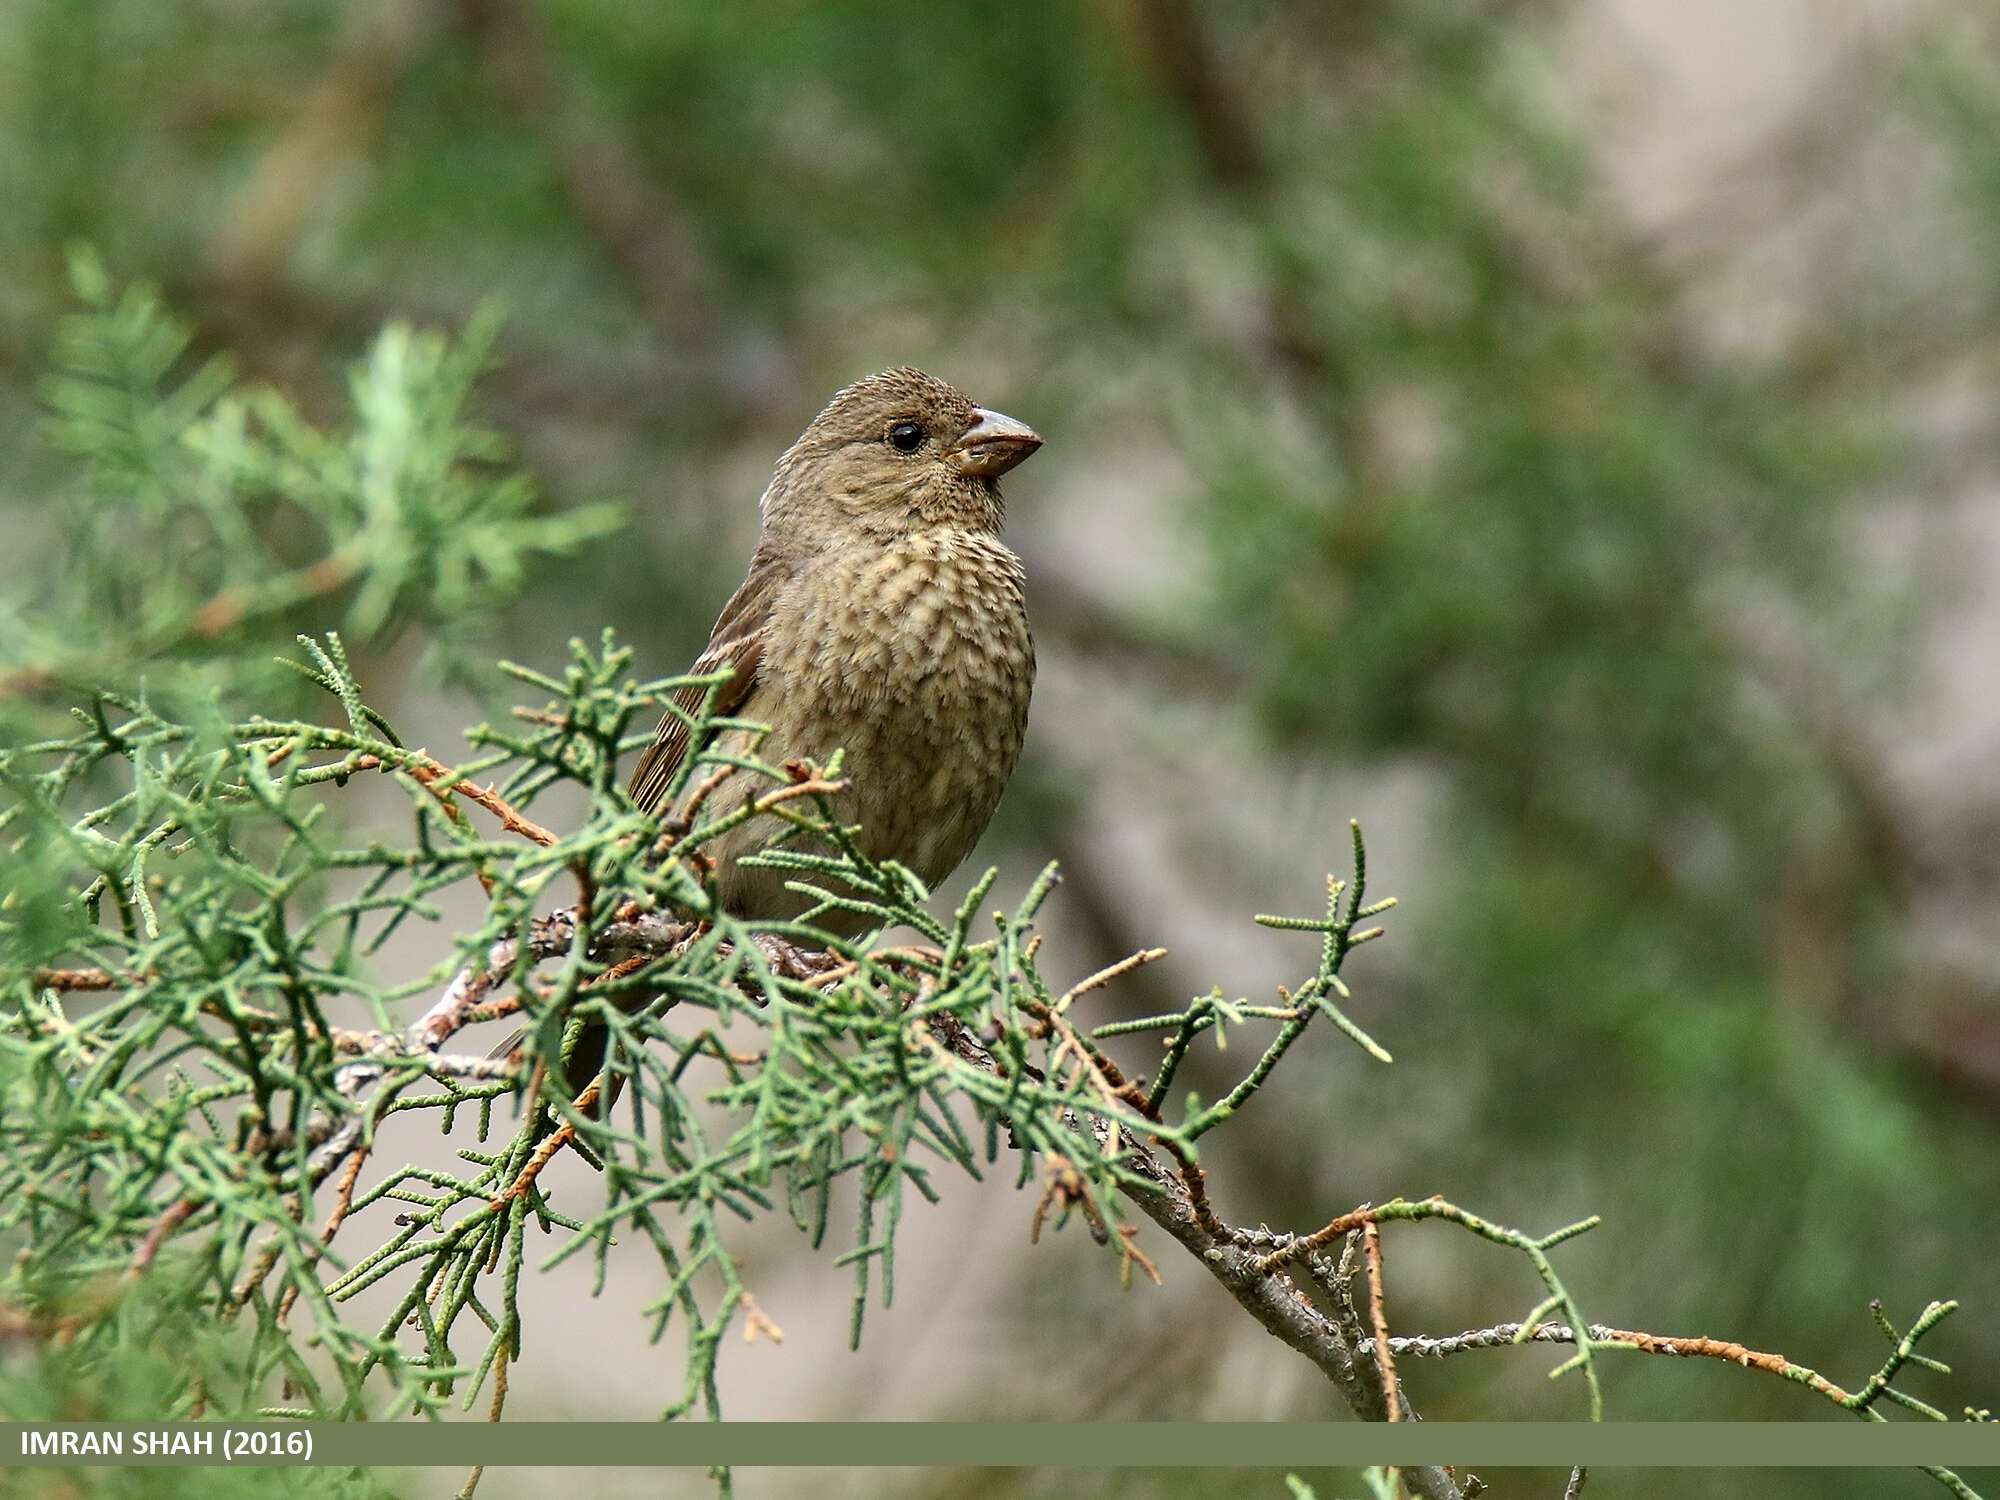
882	615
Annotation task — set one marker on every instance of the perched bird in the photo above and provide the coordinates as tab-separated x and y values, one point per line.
883	615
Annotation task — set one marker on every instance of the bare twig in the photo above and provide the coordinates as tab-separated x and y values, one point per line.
633	933
430	773
149	1248
1065	1188
1385	1362
83	979
1508	1335
1108	973
757	1323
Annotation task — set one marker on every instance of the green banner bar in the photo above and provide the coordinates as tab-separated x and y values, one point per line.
1289	1445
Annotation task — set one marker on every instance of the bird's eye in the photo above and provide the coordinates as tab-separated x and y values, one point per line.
907	437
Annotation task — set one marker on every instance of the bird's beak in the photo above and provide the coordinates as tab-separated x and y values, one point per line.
993	444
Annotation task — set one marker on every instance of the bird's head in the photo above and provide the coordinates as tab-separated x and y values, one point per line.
892	453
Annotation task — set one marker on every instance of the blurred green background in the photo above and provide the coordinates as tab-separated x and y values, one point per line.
1560	435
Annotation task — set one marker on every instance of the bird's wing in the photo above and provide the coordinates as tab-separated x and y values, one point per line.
737	642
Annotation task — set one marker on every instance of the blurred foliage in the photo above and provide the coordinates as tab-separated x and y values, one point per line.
1470	483
207	512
